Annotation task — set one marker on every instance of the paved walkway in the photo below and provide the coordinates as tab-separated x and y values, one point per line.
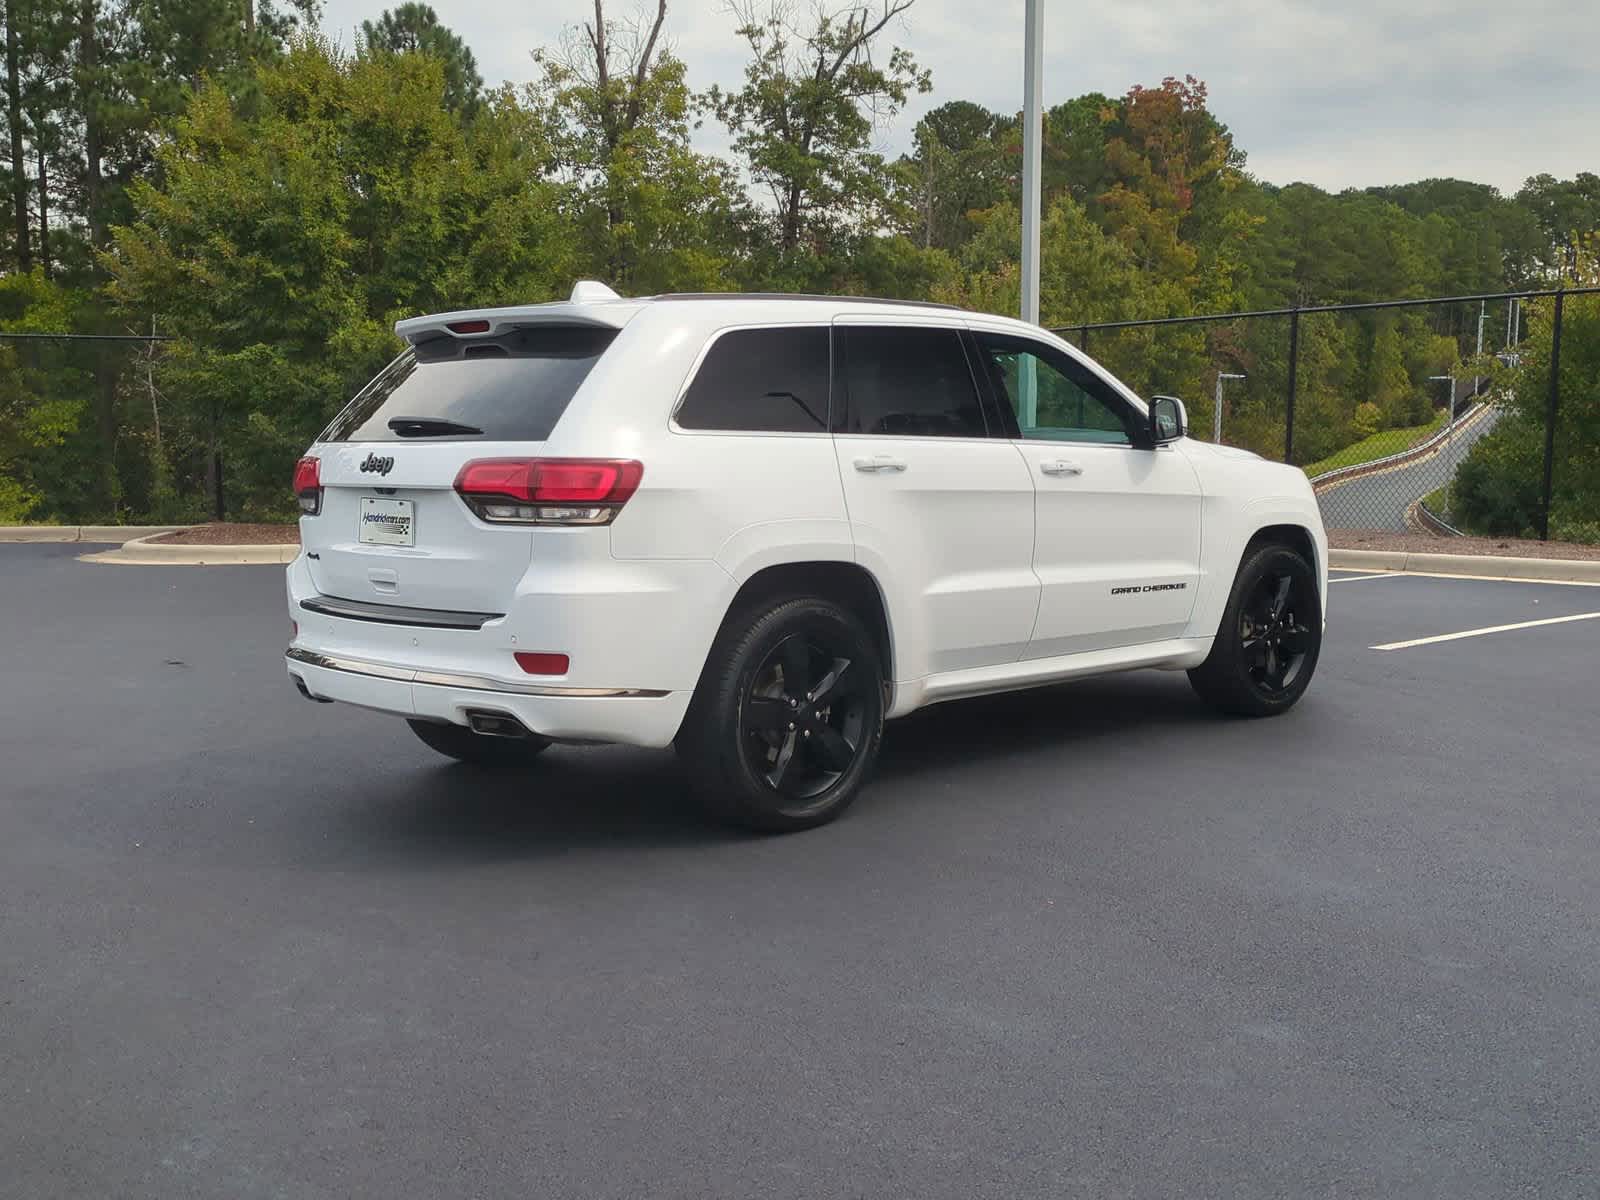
1379	501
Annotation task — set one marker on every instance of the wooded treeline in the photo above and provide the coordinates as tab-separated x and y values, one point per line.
220	172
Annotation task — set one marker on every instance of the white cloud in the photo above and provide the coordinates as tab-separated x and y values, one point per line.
1348	95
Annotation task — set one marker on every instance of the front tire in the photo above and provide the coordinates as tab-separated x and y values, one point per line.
460	743
1270	637
786	723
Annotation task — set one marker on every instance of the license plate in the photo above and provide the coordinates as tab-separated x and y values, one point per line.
388	522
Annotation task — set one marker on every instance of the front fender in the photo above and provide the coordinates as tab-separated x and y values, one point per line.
1230	526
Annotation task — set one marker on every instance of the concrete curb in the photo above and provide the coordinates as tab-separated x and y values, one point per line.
144	552
1485	566
83	533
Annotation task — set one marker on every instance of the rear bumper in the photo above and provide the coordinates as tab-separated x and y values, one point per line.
636	633
637	717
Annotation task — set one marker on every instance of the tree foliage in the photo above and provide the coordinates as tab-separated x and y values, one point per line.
414	28
284	241
614	108
803	121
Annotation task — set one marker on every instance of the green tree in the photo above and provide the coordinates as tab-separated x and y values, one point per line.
1388	382
284	237
1499	489
653	214
413	28
1567	212
958	167
1073	156
804	118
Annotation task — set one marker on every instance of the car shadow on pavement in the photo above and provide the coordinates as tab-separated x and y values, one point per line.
622	798
987	729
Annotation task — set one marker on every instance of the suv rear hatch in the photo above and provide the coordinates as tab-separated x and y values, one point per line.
391	528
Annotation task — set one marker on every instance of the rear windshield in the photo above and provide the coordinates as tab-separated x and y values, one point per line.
513	387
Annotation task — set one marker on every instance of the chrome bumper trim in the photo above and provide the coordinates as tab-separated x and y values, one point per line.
476	683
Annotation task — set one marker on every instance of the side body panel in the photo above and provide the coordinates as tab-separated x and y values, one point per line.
945	524
1243	495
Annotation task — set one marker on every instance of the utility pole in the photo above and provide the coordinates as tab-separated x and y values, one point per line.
1216	415
1032	136
1477	380
1451	380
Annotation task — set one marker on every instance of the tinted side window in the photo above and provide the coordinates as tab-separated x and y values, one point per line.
763	380
1054	397
909	383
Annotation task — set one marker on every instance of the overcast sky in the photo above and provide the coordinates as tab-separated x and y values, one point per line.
1348	93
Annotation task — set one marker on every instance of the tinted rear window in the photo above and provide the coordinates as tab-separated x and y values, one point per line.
766	380
513	387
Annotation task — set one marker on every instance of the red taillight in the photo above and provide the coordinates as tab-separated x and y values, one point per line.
542	664
308	485
549	491
468	327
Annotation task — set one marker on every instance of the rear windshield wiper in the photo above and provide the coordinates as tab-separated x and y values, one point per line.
429	427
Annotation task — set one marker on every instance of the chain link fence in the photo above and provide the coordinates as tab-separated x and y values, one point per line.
87	433
1475	414
1383	402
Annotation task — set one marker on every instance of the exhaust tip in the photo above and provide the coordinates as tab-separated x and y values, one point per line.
306	692
494	724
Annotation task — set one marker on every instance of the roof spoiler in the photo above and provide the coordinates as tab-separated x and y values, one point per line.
482	322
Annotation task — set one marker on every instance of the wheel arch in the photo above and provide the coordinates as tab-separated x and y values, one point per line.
1296	537
847	584
1265	522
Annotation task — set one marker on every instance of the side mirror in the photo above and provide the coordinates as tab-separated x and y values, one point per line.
1169	421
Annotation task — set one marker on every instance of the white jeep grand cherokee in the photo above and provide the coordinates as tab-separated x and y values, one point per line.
757	526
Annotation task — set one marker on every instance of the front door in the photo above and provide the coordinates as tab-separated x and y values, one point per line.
1117	529
940	502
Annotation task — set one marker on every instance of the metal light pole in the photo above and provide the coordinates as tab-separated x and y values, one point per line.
1477	380
1032	135
1216	415
1451	380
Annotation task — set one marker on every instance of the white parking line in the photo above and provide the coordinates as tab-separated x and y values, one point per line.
1359	578
1469	633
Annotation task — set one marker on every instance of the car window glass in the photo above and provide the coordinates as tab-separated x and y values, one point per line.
763	380
909	382
1054	398
514	386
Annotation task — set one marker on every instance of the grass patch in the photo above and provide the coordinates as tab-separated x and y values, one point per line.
1380	445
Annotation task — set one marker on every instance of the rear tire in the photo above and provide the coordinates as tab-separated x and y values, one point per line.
460	743
787	720
1267	646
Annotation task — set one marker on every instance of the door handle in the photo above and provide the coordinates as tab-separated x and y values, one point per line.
1060	466
879	462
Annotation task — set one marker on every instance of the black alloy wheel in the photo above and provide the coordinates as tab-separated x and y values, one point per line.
802	718
1274	640
1267	645
786	721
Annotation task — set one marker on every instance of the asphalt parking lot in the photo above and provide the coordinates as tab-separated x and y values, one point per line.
1084	941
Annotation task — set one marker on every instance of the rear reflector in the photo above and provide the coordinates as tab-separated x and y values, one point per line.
308	485
548	491
468	327
542	664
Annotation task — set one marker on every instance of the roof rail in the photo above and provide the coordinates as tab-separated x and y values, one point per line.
804	296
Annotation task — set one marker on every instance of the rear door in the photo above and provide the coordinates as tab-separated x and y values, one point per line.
940	503
1117	543
392	528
